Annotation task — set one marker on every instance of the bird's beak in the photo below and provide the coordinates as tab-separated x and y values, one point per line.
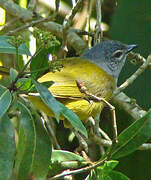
131	47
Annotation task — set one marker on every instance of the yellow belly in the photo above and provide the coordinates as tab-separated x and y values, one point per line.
82	108
65	89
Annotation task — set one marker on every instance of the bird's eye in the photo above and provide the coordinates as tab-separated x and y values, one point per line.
118	54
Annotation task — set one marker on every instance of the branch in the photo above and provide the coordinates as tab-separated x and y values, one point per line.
67	22
131	79
128	105
72	38
98	35
77	171
15	10
32	23
32	4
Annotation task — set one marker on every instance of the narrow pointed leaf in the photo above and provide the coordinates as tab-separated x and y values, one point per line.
26	144
132	137
7	148
24	84
5	100
13	74
61	156
73	119
60	109
43	150
40	61
48	98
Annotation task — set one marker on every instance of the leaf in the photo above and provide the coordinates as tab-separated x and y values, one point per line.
47	84
61	156
5	100
109	165
13	74
92	176
132	137
62	160
97	175
48	98
73	119
105	172
6	47
115	175
26	143
24	84
59	108
7	148
39	62
43	150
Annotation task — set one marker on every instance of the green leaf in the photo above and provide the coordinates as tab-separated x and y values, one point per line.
13	74
59	108
39	62
47	84
62	160
73	119
97	175
6	47
5	100
43	150
107	178
115	175
24	84
109	165
132	137
48	98
26	143
61	156
105	172
7	148
92	176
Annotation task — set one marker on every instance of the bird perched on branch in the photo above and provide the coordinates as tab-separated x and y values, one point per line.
83	80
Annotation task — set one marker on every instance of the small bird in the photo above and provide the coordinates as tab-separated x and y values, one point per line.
81	79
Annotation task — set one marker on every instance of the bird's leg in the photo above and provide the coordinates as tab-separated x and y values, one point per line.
112	109
95	98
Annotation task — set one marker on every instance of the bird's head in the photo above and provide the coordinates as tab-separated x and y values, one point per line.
110	56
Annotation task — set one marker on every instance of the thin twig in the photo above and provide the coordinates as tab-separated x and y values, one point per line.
136	56
81	32
131	79
50	130
67	21
77	171
32	4
89	12
98	35
69	18
57	2
30	24
82	141
9	23
112	108
100	131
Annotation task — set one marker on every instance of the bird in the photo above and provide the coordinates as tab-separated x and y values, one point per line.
83	80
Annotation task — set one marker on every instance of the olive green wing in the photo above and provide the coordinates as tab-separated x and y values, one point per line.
65	86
